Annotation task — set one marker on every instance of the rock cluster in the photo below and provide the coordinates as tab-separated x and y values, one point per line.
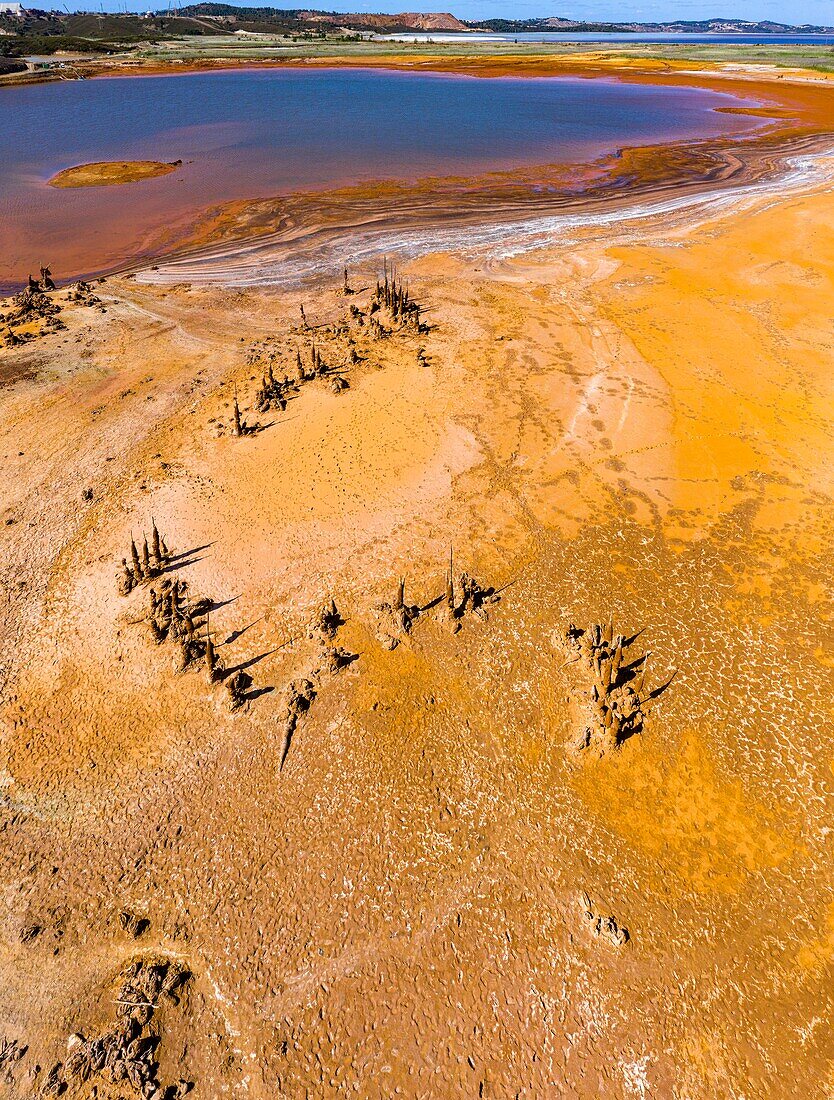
395	620
287	366
126	1052
617	700
82	294
331	660
392	295
326	622
11	1051
272	392
145	565
605	927
468	597
34	304
134	925
299	699
240	427
174	617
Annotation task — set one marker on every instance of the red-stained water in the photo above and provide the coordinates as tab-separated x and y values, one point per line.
244	134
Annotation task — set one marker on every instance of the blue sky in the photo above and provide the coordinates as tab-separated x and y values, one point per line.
620	11
615	11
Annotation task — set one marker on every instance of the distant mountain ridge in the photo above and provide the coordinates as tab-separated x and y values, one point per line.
675	26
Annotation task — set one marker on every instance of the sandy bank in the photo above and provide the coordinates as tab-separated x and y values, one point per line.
113	172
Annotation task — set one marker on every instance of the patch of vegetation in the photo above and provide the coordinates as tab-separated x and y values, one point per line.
252	15
35	45
820	58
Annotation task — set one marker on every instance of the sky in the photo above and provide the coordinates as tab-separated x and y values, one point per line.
621	11
612	11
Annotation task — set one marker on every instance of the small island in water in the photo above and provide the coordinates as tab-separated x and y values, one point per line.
107	173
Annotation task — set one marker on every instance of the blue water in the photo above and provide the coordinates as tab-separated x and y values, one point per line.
620	36
246	134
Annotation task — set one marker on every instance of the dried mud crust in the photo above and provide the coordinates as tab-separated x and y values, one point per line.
430	895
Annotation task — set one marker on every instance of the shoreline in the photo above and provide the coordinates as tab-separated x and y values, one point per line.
292	239
589	64
249	265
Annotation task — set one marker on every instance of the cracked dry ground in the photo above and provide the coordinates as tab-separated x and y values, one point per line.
620	429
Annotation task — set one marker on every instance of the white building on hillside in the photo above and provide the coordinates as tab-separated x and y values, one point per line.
7	8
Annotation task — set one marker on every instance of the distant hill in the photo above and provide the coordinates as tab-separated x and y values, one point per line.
677	26
378	21
417	21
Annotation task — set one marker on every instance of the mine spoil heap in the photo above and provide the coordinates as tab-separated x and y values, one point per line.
462	839
610	687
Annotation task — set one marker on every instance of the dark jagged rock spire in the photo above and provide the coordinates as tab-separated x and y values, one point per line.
134	555
450	583
156	544
237	424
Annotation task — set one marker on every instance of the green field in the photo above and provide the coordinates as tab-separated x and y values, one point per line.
263	46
